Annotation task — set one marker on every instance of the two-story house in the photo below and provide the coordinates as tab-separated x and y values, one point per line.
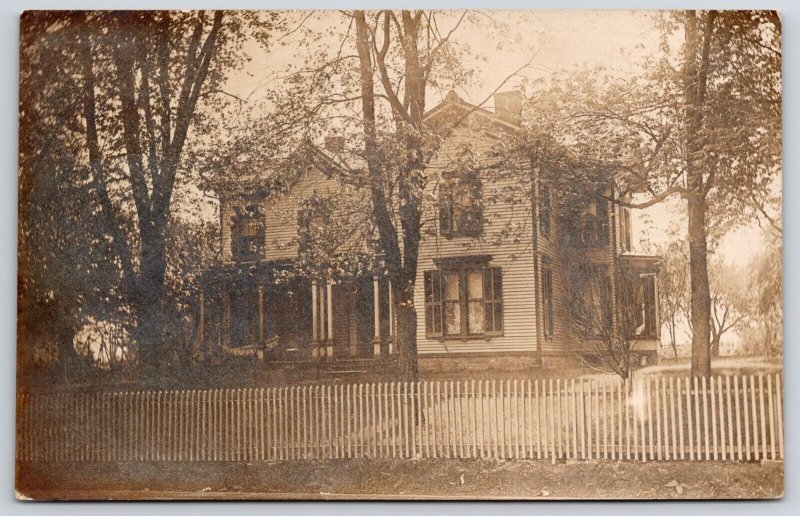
492	286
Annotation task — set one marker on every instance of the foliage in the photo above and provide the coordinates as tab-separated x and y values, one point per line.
125	92
702	121
673	289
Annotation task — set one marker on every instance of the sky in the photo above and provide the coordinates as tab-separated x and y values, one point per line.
502	42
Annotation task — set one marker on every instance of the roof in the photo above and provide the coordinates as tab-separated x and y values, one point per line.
641	262
454	104
282	174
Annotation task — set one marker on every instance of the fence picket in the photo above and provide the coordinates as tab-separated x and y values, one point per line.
779	405
698	434
590	418
754	415
763	416
721	413
730	416
573	414
712	395
771	418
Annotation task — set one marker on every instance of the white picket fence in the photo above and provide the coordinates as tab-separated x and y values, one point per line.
729	418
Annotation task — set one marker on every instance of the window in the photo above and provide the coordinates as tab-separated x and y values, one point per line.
547	296
247	233
594	224
545	209
641	306
313	215
464	301
625	230
461	207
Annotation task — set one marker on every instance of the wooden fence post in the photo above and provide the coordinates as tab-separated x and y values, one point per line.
779	405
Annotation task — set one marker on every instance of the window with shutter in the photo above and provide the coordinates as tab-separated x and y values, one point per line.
463	302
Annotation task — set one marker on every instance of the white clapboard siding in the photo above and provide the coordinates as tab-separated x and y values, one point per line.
280	215
514	258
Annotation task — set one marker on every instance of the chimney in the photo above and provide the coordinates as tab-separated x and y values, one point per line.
508	106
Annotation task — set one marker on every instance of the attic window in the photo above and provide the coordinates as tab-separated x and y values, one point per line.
247	233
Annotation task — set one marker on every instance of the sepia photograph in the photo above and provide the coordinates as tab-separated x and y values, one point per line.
400	254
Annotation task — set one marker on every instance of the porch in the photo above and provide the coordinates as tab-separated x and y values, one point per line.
640	303
268	312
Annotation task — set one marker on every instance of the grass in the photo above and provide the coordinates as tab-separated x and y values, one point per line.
410	479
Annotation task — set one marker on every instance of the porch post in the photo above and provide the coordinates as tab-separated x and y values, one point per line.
261	322
226	317
391	318
314	334
655	301
321	312
376	302
329	341
201	319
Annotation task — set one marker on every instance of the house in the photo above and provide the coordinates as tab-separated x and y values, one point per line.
493	285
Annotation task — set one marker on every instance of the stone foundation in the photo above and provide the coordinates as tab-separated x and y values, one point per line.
463	363
514	363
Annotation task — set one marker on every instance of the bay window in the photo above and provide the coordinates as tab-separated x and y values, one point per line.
641	306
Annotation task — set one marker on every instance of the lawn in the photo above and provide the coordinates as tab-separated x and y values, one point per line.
447	478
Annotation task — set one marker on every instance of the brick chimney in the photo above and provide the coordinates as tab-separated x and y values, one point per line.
508	106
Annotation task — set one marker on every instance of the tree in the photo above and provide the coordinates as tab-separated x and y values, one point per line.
701	122
730	303
142	80
766	290
66	272
673	289
604	330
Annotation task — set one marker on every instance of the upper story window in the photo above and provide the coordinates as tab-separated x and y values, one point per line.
313	221
247	233
593	223
461	207
464	301
625	229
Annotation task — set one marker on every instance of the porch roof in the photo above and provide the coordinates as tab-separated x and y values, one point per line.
640	262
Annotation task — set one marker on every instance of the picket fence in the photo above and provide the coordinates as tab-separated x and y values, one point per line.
733	418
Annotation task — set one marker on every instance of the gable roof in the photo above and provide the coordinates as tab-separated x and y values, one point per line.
454	107
284	174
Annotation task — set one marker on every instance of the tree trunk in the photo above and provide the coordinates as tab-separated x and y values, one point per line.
695	79
672	340
152	315
701	296
402	268
715	344
406	331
